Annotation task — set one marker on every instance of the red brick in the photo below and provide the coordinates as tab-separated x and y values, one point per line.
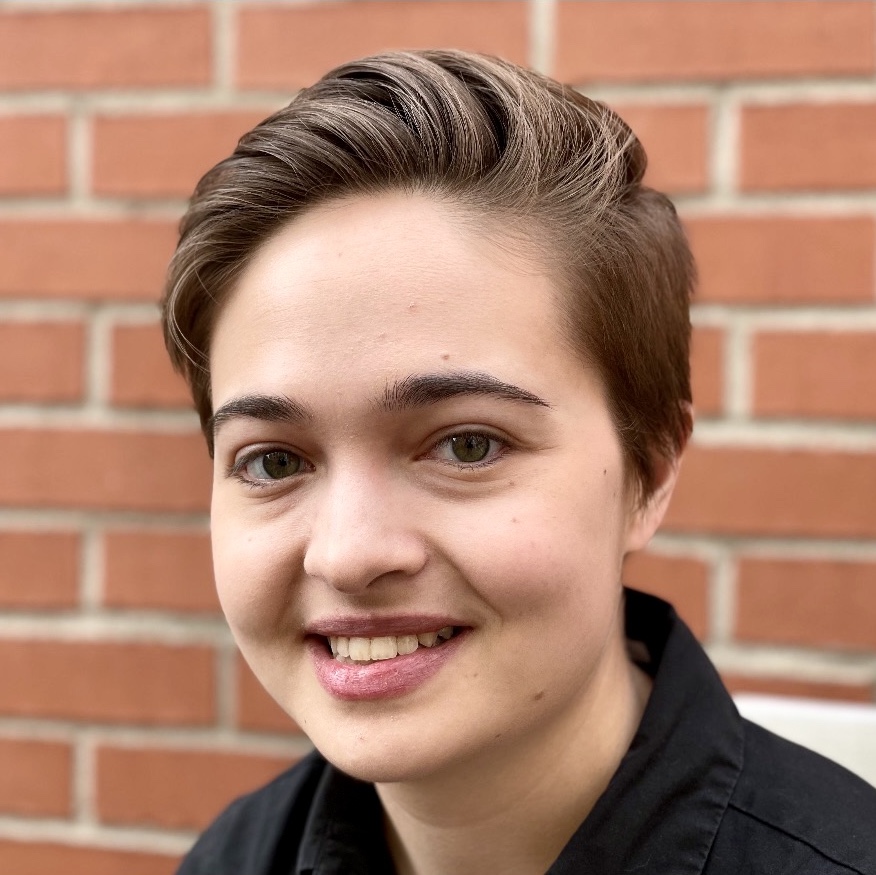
707	370
94	260
33	154
38	858
808	147
42	361
735	39
328	33
676	139
196	142
118	48
815	603
142	375
105	470
177	789
39	570
775	492
784	260
680	580
161	570
35	777
108	682
779	686
256	710
816	373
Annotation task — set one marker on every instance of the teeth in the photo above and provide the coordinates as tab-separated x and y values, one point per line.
360	649
406	644
384	647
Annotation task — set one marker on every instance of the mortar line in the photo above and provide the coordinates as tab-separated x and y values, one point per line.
224	31
115	627
79	154
738	371
58	519
91	569
156	839
792	662
542	35
98	361
722	599
84	774
785	435
724	147
752	91
226	685
804	317
94	415
162	738
707	547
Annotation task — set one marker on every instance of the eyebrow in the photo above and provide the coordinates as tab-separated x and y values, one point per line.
419	390
422	390
271	408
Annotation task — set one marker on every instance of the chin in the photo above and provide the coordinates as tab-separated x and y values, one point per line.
400	758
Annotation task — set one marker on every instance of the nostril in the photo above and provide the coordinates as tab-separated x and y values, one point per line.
350	547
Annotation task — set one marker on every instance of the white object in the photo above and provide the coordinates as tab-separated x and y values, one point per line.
843	732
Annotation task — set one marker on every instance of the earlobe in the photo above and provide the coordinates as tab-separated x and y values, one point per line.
647	515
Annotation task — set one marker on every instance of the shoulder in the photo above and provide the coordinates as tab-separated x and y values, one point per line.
250	834
793	811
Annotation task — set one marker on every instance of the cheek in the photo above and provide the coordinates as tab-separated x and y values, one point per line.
556	551
253	566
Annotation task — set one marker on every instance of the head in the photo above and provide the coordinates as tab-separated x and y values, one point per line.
436	331
550	168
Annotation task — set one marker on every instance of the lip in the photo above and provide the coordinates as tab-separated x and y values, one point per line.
384	679
375	626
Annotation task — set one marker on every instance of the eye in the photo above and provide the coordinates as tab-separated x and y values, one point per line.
268	466
470	448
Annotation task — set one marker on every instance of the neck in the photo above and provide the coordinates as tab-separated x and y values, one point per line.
513	809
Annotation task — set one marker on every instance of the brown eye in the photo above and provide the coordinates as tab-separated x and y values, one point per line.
274	465
470	447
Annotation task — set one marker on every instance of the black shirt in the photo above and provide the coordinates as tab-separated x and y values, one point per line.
700	792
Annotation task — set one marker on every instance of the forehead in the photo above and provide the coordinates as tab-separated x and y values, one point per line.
379	287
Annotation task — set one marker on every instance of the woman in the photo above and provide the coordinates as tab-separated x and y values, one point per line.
437	333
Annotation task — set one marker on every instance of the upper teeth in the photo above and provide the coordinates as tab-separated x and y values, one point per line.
384	647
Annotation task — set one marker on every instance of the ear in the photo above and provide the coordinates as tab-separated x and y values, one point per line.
645	517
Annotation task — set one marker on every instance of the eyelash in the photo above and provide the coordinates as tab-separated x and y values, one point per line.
503	447
238	468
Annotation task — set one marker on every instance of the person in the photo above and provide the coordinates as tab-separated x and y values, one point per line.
436	330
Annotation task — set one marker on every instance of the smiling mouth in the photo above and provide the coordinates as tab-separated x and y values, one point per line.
361	651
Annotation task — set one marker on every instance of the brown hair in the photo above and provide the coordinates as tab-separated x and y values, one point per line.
492	137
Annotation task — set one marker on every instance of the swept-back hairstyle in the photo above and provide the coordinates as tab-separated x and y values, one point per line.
535	156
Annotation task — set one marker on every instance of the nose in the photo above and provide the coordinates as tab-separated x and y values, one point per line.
362	531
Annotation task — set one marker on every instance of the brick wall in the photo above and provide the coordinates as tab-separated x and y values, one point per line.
126	718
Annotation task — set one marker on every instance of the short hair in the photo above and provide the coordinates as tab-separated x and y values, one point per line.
488	136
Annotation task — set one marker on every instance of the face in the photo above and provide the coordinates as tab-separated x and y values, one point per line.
406	450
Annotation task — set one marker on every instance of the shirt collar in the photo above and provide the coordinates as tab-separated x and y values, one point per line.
344	834
660	811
